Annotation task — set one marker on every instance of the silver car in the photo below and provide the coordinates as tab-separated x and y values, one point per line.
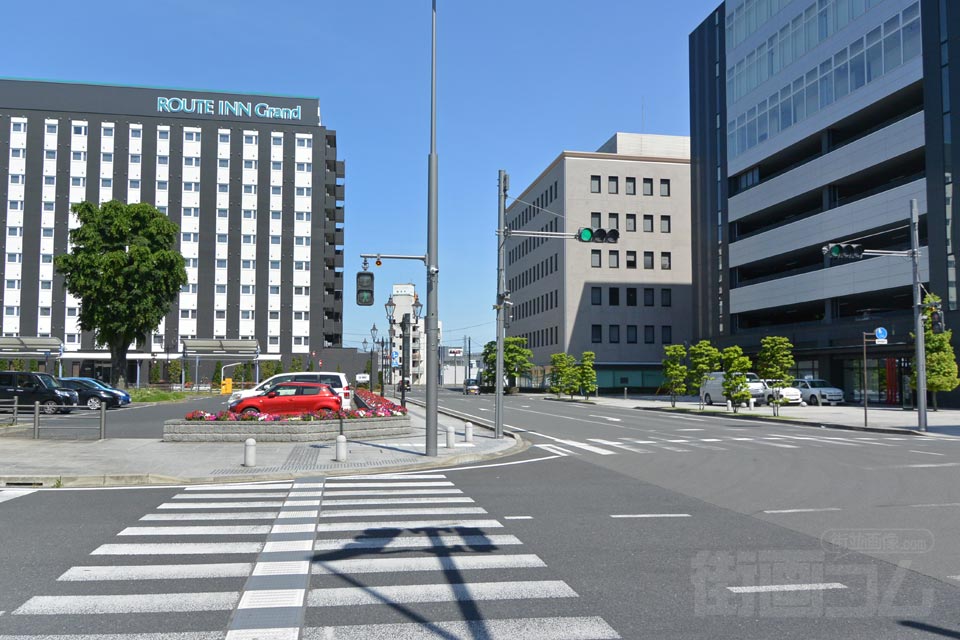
788	395
816	392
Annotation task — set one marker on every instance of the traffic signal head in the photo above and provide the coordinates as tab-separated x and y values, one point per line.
936	321
585	234
843	250
364	288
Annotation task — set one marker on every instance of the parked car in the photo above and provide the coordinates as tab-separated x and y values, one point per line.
120	393
30	387
91	395
471	387
788	395
713	388
334	379
290	398
816	392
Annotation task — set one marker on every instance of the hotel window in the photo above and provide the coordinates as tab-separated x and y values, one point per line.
250	214
666	297
301	291
224	137
301	265
302	241
648	186
248	289
648	224
108	132
301	315
274	239
79	156
134	184
51	128
613	260
249	164
631	259
13	284
46	258
15	232
277	141
249	239
19	126
275	265
220	288
275	215
221	264
136	133
193	263
191	186
276	166
190	237
188	313
276	190
305	142
648	297
188	288
304	166
665	260
631	334
665	188
50	154
106	182
15	205
162	209
78	182
190	161
17	178
191	212
596	333
303	216
46	285
613	221
631	296
221	238
107	158
248	314
248	264
223	213
11	311
48	206
595	258
161	185
630	186
249	188
220	314
163	160
304	191
223	163
648	259
72	312
134	158
72	338
223	187
595	218
191	136
594	184
275	290
79	130
596	296
274	340
613	184
249	139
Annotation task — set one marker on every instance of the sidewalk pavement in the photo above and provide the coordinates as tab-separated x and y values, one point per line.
945	422
131	461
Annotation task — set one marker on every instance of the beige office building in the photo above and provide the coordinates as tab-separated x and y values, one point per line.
626	300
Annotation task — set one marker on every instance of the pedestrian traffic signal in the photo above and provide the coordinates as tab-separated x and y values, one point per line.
936	321
843	250
586	234
364	288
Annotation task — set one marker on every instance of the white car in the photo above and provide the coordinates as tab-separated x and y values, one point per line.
819	392
788	395
336	381
713	388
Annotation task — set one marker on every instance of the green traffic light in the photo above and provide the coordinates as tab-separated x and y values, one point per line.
585	235
835	251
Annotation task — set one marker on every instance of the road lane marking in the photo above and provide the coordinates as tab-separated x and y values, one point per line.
158	572
332	484
269	598
10	494
559	628
505	464
251	515
942	504
590	415
929	453
778	444
142	603
821	586
178	548
238	495
238	530
363	501
415	542
443	592
711	440
239	487
650	515
394	476
423	511
560	451
697	429
390	492
329	527
223	505
452	562
926	466
813	510
618	445
518	517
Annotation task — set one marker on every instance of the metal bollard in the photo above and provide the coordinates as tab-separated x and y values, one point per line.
15	405
341	449
103	420
468	432
451	436
36	420
624	393
250	453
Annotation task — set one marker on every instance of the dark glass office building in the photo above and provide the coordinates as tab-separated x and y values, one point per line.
815	121
253	182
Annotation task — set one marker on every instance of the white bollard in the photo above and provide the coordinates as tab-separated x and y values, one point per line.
753	402
451	436
250	453
729	405
468	432
341	449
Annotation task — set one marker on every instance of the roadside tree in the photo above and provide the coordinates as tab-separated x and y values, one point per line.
173	371
941	359
775	363
674	371
125	268
735	367
586	374
563	377
704	360
217	372
296	364
516	360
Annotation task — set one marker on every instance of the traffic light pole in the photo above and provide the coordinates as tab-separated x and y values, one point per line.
918	309
503	299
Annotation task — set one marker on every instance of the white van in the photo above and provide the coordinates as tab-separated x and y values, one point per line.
336	381
713	388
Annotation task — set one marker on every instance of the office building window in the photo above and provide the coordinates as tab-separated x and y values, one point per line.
648	297
595	219
596	333
614	296
666	297
664	224
665	260
666	334
595	258
613	221
648	259
631	296
614	333
648	186
613	184
631	222
649	334
631	334
648	224
594	184
596	295
630	187
631	259
665	188
614	260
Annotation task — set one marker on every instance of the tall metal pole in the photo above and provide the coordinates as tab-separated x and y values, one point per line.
433	361
405	365
920	358
865	395
502	184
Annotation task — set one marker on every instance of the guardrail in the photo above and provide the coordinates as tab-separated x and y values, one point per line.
101	418
11	407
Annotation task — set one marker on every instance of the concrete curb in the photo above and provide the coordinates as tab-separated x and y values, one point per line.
799	423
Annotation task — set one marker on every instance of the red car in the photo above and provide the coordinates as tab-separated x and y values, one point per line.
290	398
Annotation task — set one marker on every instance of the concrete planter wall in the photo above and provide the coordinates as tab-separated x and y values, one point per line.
284	431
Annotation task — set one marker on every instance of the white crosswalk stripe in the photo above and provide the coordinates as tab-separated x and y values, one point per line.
244	547
11	494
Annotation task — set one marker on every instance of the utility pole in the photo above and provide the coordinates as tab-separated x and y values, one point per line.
918	311
405	365
503	185
433	361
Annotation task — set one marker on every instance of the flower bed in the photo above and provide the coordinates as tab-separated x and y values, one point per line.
378	403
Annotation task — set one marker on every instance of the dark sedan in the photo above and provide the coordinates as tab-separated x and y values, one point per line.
91	395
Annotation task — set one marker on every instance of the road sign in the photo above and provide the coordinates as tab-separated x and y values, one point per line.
395	354
881	334
880	341
454	353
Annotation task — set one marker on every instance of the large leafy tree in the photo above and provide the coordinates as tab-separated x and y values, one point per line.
941	360
125	268
674	371
775	363
704	360
516	359
735	367
586	374
563	374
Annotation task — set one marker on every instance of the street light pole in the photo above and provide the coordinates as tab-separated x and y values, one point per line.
433	269
503	184
918	328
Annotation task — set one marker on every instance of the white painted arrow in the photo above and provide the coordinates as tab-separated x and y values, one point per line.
604	417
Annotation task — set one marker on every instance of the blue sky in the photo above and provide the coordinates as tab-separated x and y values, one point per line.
518	82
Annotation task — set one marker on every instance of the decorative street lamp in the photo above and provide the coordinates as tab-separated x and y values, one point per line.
391	309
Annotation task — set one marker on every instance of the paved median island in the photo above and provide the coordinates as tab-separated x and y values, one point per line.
285	430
